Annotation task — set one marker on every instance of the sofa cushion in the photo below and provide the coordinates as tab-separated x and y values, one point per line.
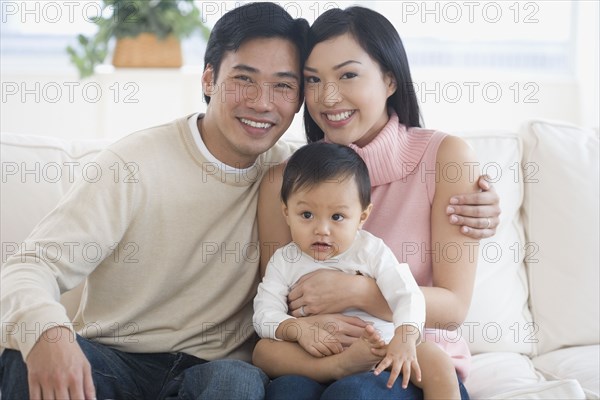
580	362
36	172
513	376
562	224
499	318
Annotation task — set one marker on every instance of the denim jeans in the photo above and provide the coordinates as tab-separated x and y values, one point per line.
359	386
120	375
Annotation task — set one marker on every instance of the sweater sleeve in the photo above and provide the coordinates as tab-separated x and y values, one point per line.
399	288
62	250
270	303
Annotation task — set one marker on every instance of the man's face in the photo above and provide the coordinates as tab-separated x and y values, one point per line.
253	100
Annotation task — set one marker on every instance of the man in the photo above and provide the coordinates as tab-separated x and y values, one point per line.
147	328
170	320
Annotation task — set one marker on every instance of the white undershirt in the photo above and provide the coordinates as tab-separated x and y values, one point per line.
193	123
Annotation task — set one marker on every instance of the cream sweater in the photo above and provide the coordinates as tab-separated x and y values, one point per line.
167	241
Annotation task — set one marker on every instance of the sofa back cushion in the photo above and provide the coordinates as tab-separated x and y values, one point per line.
36	173
499	317
562	224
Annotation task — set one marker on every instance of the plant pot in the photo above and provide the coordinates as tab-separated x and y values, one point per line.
147	51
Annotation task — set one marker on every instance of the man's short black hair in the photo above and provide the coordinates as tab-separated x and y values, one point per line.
254	21
321	162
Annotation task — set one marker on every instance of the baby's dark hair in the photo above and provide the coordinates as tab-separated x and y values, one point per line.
320	162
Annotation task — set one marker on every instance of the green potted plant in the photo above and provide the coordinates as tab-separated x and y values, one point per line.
147	32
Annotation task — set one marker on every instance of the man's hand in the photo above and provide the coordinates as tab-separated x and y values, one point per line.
476	213
58	369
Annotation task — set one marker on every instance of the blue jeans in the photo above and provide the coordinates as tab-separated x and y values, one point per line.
359	386
120	375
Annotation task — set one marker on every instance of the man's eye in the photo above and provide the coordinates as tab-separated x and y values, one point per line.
283	86
307	215
337	217
243	78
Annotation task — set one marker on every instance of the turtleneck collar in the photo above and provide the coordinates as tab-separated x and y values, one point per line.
394	152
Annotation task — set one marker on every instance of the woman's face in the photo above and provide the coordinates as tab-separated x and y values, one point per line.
346	91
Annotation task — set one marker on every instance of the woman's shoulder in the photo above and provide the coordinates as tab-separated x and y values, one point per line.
453	148
445	146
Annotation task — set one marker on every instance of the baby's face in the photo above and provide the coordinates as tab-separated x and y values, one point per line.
324	219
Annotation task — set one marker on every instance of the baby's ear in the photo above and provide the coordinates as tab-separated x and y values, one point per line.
285	212
365	215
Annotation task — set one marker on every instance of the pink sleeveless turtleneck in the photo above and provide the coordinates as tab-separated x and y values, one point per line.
401	166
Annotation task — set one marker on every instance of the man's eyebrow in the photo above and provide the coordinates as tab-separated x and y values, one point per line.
282	74
246	68
335	67
288	74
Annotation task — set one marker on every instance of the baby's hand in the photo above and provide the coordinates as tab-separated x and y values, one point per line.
402	356
318	342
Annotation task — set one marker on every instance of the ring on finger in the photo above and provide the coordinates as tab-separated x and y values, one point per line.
302	313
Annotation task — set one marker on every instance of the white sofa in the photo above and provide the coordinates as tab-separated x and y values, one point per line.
533	326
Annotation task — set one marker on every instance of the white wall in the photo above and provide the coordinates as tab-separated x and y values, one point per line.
115	102
587	63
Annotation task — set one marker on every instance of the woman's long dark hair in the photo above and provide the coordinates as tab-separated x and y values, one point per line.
378	37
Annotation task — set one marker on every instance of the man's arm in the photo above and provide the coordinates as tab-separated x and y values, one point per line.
93	213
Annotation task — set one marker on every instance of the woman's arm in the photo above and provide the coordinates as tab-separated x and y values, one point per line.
330	292
273	231
455	256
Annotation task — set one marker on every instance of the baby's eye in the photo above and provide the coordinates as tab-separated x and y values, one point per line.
307	215
337	217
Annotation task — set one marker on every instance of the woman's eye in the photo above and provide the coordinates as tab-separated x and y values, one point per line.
348	75
337	217
306	215
311	79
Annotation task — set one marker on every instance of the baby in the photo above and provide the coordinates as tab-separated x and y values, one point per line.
326	195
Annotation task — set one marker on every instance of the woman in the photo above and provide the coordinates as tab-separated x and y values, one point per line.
359	93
